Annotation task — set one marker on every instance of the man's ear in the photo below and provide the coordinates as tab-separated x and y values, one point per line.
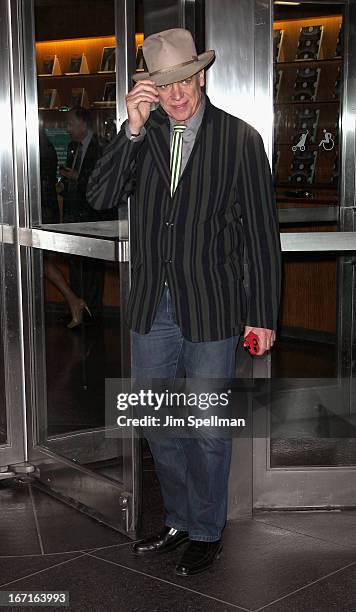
202	78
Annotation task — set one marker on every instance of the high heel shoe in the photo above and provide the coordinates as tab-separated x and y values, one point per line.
77	314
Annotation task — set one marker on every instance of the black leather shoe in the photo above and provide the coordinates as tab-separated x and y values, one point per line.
198	556
167	540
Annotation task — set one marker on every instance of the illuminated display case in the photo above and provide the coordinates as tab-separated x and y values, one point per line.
307	73
307	109
79	71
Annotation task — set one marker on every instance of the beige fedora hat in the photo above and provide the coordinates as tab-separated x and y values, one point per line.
171	56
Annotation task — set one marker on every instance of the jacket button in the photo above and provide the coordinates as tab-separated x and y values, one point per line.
168	261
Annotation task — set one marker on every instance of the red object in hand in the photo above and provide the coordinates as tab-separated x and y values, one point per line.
251	343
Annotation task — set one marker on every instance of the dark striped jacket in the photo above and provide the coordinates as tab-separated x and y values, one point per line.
222	211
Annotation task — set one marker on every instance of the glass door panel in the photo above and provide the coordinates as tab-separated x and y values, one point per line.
77	257
78	359
308	84
310	423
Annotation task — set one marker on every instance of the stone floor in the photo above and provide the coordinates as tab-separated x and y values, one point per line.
277	562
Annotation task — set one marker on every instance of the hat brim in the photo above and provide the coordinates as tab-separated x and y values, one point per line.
177	73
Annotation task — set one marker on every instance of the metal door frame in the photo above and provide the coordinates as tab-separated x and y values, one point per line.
321	487
18	236
15	449
119	507
245	88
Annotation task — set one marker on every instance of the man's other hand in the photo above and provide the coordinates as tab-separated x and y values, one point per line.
266	338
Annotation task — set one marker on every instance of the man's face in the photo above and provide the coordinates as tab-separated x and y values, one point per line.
76	128
181	100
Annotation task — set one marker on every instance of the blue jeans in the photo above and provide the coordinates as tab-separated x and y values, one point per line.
193	472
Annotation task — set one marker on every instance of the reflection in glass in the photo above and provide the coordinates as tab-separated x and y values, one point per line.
80	343
307	76
311	423
308	55
79	359
76	60
307	345
50	214
307	73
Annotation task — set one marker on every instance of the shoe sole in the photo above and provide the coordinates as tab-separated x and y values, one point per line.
217	556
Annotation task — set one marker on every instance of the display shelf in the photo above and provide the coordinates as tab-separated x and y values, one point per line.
63	109
310	103
285	204
324	62
92	75
67	49
294	187
95	59
326	47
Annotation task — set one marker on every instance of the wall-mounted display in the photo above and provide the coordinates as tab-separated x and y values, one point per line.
109	92
277	79
78	65
50	66
277	43
336	92
82	71
309	42
306	121
49	99
339	42
79	98
307	96
303	166
306	84
108	60
140	62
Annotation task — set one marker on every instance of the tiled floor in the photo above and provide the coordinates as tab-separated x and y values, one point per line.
277	562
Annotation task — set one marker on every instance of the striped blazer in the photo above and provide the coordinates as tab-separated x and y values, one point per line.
222	213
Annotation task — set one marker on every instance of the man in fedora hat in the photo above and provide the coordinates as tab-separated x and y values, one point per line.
202	204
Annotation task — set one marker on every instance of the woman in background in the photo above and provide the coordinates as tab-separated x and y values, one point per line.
50	214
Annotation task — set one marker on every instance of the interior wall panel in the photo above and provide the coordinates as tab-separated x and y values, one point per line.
230	80
161	15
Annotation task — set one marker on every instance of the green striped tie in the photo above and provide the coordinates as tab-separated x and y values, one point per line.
176	155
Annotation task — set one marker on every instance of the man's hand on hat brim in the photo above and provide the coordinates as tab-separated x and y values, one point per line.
138	104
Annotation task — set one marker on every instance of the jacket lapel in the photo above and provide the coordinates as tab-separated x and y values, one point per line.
159	144
90	152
